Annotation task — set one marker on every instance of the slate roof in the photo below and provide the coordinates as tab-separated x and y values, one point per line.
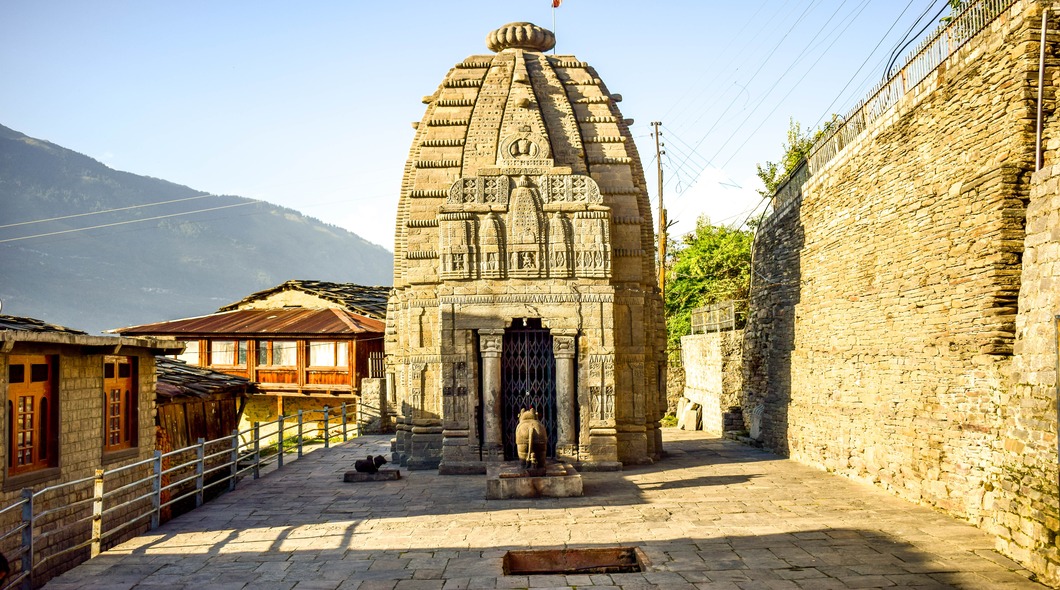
16	329
291	321
179	379
11	322
365	300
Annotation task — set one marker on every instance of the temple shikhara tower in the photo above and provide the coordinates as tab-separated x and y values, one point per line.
524	271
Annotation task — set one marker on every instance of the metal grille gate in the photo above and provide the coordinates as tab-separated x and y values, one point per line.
528	380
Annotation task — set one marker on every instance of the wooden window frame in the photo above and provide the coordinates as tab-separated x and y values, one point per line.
241	348
33	400
270	361
337	358
121	403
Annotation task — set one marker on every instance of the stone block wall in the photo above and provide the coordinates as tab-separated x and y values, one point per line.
882	339
80	385
713	374
1024	491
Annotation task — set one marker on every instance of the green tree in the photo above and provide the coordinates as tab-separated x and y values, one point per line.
795	151
709	265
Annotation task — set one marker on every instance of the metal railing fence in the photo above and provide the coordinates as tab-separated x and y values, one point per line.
920	62
718	317
60	526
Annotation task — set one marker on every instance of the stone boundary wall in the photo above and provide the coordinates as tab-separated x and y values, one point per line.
713	374
1025	488
884	306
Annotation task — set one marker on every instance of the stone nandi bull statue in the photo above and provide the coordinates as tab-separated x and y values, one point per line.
531	440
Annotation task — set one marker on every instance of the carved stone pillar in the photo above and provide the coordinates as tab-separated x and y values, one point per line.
566	428
490	343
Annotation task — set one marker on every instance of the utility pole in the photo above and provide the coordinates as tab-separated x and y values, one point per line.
662	214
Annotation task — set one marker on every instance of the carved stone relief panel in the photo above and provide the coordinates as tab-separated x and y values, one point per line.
492	248
561	259
492	190
459	234
454	394
592	244
525	243
570	188
602	387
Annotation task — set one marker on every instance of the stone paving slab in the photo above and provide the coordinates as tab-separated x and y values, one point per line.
713	514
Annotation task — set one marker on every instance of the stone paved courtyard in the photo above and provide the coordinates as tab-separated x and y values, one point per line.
712	514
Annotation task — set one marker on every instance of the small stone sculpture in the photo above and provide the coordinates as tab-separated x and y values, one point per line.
531	440
369	465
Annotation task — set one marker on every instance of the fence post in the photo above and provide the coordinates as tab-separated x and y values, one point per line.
200	460
27	539
279	443
345	436
357	418
156	492
300	424
234	470
257	450
97	512
327	428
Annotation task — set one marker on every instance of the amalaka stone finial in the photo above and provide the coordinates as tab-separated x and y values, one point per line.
526	36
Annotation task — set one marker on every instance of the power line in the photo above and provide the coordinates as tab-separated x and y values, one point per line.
105	211
783	98
776	83
78	229
755	74
862	66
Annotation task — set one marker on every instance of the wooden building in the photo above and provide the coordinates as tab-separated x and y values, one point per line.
307	344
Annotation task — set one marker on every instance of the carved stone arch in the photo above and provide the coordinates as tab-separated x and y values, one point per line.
492	258
525	232
525	148
560	258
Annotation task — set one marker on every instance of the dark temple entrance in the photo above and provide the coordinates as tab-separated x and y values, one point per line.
528	380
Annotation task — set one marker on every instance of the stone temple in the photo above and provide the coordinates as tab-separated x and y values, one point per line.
524	271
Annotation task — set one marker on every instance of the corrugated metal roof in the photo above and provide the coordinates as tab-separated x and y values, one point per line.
295	321
369	301
179	379
11	322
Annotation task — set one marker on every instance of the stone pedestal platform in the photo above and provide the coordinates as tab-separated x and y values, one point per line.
510	480
381	475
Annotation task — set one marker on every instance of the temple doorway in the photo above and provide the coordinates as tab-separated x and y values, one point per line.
528	380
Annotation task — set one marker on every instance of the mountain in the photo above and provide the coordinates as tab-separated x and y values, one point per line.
157	250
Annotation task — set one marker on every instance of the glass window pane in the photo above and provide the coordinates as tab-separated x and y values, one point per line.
222	352
322	354
342	354
38	372
16	373
284	353
191	352
263	352
242	353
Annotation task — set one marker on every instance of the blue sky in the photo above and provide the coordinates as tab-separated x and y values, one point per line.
309	104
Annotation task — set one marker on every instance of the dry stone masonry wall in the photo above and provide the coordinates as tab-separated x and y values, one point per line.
901	326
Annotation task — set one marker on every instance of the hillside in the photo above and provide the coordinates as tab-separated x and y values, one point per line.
185	257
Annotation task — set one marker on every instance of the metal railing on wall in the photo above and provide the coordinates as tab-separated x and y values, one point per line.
943	42
921	62
75	520
718	317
